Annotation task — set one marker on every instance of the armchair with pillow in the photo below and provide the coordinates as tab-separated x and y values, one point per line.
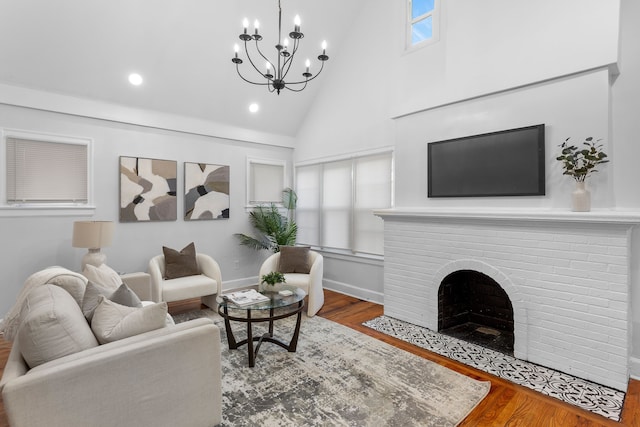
184	275
123	367
302	268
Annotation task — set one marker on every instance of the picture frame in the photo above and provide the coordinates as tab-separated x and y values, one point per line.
206	191
148	189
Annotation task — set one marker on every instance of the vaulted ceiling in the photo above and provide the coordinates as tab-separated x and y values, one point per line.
182	48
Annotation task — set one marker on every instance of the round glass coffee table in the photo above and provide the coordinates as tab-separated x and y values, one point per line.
277	307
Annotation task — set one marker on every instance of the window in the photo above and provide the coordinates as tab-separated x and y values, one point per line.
336	199
423	23
265	181
46	171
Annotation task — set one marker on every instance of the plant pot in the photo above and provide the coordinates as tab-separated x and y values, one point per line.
265	287
580	198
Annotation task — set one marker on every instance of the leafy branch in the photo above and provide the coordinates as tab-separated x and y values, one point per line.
579	163
272	228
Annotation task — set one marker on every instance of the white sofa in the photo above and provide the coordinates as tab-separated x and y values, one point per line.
165	377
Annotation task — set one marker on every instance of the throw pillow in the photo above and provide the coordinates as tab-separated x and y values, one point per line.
112	322
103	275
52	327
180	264
123	295
294	259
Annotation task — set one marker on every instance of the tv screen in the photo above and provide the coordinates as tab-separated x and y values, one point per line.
505	163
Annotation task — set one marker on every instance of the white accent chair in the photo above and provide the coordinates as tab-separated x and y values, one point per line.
204	285
311	283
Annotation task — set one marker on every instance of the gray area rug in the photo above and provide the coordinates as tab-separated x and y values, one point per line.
337	377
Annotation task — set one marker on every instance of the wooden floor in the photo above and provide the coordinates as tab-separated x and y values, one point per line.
507	404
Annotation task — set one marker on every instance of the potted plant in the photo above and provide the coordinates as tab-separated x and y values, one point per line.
272	227
579	163
272	279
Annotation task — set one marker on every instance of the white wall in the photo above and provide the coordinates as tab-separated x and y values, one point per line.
553	103
30	244
626	131
498	65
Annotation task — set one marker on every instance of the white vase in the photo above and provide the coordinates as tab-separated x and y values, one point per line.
270	288
580	198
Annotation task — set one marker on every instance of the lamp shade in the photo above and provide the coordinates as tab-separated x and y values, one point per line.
92	234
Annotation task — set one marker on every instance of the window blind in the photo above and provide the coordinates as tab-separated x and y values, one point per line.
46	172
266	183
336	200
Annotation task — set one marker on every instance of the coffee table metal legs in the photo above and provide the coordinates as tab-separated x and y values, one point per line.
266	337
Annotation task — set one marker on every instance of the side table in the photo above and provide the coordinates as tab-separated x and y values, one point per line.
140	284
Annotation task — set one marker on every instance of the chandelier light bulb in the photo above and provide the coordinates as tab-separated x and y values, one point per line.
324	46
296	23
245	24
285	43
256	25
307	64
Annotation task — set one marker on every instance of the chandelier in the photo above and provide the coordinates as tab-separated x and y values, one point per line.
276	72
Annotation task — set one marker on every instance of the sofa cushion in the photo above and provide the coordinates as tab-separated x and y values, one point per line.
112	321
53	326
188	287
70	282
123	295
294	259
103	275
180	264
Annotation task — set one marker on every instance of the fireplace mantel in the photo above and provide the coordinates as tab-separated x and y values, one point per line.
537	215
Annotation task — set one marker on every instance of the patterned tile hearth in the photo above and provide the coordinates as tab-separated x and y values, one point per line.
593	397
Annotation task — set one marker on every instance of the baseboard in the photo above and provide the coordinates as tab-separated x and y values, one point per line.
232	285
634	368
354	291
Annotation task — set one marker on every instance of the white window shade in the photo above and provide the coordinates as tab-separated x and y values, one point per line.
44	172
308	185
336	200
373	180
266	182
336	204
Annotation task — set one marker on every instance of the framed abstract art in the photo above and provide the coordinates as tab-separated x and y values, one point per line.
148	189
206	191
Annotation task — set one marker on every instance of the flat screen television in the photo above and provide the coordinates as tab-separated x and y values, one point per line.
505	163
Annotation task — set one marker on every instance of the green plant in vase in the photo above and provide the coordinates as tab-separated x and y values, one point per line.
579	163
272	279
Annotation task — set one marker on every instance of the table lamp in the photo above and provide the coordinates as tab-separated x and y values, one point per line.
92	235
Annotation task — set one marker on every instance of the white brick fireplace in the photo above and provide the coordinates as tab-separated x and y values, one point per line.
567	275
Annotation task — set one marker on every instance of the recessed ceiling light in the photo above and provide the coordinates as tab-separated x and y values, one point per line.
135	79
254	107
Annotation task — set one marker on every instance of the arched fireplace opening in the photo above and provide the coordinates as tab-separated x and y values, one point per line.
473	307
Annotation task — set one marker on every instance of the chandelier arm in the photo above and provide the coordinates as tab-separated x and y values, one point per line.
263	57
309	79
296	90
287	62
249	81
252	63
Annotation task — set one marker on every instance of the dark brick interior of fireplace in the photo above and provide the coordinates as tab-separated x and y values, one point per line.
474	308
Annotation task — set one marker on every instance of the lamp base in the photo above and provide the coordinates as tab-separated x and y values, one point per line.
93	257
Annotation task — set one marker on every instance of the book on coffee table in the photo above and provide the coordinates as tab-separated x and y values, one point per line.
245	297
